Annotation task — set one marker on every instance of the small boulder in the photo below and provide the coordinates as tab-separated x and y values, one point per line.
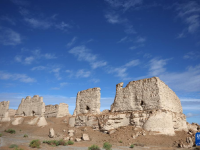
85	137
71	132
71	138
51	133
112	131
66	138
77	139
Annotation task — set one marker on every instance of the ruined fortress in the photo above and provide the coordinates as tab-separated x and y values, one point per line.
148	103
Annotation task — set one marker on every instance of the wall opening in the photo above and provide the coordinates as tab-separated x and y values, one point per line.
33	113
24	113
87	108
142	103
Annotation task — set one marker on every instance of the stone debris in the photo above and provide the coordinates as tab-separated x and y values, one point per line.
111	131
88	101
17	121
85	137
77	139
64	130
60	110
71	132
31	106
66	138
71	138
33	121
42	122
4	111
51	133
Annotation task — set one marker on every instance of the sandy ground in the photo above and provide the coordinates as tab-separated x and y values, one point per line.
120	140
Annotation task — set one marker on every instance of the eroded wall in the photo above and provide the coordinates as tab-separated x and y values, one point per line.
4	114
88	101
145	94
60	110
31	106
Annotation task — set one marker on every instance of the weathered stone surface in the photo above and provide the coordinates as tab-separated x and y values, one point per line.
4	113
12	112
85	137
71	121
88	101
161	122
31	106
51	133
60	110
33	121
145	94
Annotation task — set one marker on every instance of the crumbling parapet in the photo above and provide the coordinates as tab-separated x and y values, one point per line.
145	94
88	101
60	110
4	114
31	106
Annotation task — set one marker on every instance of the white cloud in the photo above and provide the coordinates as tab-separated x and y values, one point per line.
157	66
140	40
190	115
72	42
63	84
63	26
36	23
49	56
193	55
123	39
82	73
36	55
124	4
122	70
95	80
84	54
39	68
113	18
98	64
189	13
56	71
9	37
29	60
21	77
188	80
8	19
18	58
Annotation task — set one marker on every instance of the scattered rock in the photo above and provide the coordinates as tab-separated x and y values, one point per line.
85	137
66	138
64	130
71	132
51	133
112	131
71	138
77	139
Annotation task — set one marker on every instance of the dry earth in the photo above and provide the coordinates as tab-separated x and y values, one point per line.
123	134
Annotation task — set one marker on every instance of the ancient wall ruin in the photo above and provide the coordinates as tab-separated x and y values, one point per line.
4	114
12	112
145	94
88	101
60	110
31	106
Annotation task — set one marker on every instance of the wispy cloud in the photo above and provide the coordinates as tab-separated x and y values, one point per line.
122	70
56	71
191	75
36	23
21	2
39	68
84	54
190	115
83	73
140	39
193	55
36	55
8	19
9	37
63	26
95	80
124	4
21	77
189	13
73	40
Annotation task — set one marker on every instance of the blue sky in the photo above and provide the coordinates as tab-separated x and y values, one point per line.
56	48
